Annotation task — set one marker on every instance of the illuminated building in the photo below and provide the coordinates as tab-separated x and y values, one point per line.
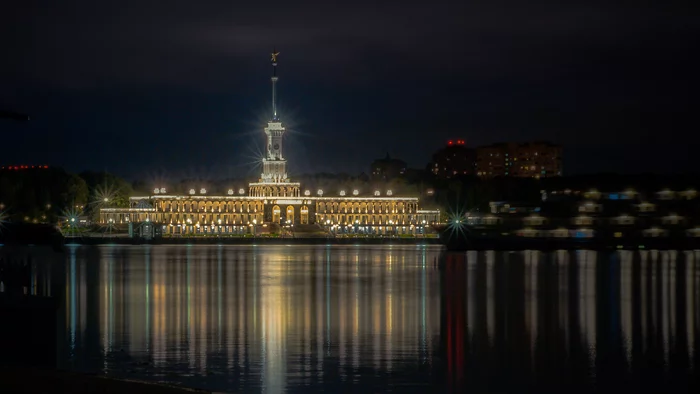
455	159
274	199
526	160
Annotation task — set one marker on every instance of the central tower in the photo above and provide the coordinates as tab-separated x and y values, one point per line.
274	164
273	180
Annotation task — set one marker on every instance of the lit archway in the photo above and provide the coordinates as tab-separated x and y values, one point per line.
290	214
304	215
276	214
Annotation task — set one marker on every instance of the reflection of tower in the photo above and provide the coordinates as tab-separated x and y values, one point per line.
274	164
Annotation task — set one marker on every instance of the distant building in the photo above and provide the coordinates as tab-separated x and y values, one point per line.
455	159
524	160
387	168
23	167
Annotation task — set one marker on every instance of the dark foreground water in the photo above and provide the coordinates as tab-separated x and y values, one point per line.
377	319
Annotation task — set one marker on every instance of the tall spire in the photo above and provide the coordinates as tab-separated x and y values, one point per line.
274	83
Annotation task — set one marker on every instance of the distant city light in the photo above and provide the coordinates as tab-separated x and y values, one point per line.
377	193
355	192
202	191
192	191
342	192
241	191
389	192
320	192
230	192
162	190
307	193
155	191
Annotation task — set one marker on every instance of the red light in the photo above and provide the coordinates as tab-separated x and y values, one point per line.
449	142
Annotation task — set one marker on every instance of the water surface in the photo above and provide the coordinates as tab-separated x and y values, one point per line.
376	319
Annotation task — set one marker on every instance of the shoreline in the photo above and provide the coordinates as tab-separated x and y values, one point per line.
250	241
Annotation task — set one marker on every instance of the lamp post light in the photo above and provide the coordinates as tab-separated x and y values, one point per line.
110	226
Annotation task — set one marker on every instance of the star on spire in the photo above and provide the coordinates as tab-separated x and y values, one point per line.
274	56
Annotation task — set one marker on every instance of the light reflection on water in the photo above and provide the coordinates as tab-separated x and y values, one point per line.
340	318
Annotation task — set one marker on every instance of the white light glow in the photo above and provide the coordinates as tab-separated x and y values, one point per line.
192	191
202	191
355	192
230	192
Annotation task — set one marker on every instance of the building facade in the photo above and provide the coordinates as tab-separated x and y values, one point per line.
454	160
525	160
275	200
388	168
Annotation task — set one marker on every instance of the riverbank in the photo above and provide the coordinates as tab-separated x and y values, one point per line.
36	380
252	241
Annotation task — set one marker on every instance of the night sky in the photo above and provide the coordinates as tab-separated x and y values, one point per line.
181	88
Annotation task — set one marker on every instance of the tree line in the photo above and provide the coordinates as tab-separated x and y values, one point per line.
45	195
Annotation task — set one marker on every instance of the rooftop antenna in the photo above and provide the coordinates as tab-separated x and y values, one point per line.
274	83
